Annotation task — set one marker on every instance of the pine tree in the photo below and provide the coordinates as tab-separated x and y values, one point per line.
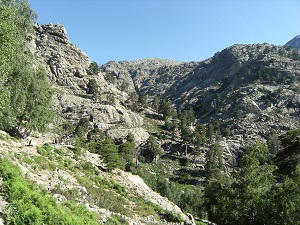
214	162
155	104
152	149
127	152
249	197
93	68
210	133
289	157
142	99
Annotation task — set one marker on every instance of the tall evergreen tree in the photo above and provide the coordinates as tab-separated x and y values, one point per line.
289	157
152	149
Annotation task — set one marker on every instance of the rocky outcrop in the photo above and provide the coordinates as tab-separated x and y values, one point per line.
67	69
64	61
140	135
151	76
295	42
138	186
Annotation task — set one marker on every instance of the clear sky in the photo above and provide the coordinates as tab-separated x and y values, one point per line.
182	30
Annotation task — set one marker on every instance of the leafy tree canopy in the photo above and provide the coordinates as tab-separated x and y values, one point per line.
25	94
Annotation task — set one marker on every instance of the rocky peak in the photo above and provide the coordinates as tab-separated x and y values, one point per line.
64	61
295	42
151	76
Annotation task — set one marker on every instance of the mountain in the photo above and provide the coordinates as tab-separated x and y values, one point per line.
245	92
295	42
250	88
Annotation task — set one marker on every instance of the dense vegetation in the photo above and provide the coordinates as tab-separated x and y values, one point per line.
25	94
28	204
257	192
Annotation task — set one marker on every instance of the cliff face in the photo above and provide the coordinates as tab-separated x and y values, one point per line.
67	69
65	62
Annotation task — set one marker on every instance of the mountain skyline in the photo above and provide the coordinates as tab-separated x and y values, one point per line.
176	30
295	42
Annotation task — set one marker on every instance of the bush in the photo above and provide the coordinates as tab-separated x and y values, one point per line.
45	149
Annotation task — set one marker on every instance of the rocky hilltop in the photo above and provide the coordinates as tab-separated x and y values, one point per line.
295	42
150	76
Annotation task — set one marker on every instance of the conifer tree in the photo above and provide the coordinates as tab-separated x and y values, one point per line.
151	149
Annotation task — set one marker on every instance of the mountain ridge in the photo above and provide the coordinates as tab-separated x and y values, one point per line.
295	42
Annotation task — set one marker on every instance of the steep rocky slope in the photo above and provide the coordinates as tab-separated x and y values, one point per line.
295	42
251	88
151	76
67	68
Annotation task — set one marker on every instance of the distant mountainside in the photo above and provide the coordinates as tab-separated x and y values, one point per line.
251	88
295	42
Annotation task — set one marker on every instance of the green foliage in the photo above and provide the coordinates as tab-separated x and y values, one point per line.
110	78
93	69
273	142
92	87
96	135
247	198
113	220
142	99
124	86
130	137
25	12
110	153
30	205
101	197
210	133
45	150
187	118
111	99
200	135
170	125
25	94
188	197
155	104
151	149
82	127
127	152
287	200
214	162
289	157
165	108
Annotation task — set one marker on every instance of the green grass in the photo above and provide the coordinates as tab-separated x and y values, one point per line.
28	204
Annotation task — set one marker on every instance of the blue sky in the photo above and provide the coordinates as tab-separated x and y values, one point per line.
182	30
